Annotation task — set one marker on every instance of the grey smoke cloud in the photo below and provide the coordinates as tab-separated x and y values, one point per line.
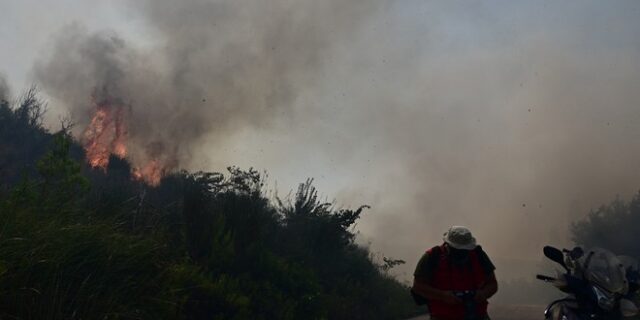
514	127
216	66
511	118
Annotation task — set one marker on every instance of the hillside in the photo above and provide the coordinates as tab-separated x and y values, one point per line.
78	243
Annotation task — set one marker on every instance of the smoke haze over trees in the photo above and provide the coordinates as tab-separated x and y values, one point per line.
219	66
612	226
514	119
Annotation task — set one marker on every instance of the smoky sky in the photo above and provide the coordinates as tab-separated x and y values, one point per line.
217	66
513	118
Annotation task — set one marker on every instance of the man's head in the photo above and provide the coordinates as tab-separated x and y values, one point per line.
459	242
458	237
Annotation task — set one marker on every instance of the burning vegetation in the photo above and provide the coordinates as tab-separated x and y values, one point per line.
201	246
107	134
151	173
201	76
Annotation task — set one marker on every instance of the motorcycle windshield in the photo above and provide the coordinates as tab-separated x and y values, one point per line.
605	270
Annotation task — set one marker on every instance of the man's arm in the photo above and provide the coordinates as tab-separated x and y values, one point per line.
421	287
489	288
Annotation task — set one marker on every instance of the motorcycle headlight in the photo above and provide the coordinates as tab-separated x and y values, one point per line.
606	300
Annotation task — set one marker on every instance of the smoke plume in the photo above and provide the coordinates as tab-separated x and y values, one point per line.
215	67
513	127
511	118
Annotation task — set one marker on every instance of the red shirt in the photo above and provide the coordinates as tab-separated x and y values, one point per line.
443	274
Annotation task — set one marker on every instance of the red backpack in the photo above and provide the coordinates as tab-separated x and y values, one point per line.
447	276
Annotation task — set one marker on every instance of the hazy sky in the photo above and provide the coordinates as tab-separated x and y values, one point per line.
511	117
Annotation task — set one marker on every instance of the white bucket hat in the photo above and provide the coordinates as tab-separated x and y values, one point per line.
459	237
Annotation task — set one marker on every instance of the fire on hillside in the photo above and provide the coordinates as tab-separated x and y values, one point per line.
107	135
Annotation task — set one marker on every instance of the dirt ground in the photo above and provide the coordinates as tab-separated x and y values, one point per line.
510	312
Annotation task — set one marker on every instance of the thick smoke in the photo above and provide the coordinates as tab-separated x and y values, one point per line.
513	127
511	118
214	67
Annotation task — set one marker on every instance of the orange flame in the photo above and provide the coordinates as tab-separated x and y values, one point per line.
107	135
151	173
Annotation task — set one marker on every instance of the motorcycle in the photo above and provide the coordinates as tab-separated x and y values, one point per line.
599	285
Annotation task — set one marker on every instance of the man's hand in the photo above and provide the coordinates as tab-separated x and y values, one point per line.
449	297
487	290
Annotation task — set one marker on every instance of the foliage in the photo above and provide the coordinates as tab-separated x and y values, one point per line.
390	263
612	226
82	244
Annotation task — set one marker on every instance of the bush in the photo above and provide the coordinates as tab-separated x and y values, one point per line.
612	226
82	244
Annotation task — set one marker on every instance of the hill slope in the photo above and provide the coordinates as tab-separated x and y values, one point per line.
77	243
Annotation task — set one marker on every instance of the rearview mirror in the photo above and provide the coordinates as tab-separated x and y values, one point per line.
556	255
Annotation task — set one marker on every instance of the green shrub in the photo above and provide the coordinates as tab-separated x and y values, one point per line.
76	243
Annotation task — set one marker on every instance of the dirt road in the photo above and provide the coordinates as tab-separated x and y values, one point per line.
510	312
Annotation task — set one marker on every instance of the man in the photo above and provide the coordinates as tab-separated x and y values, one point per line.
455	278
